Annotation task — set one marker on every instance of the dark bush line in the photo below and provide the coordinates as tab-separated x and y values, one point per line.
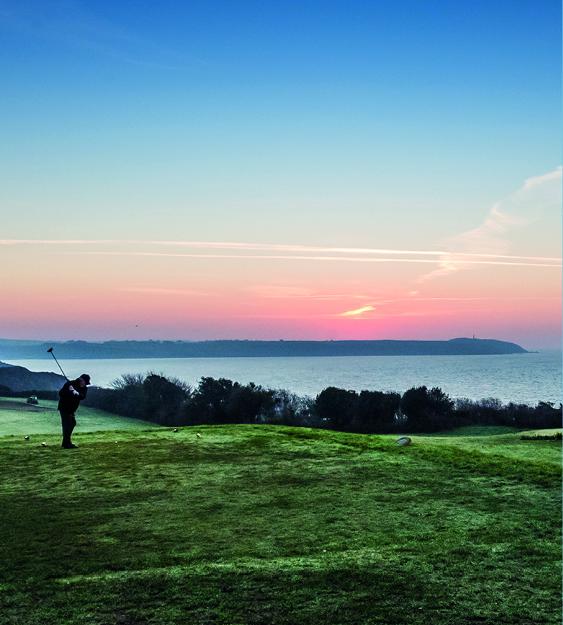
493	412
169	401
5	391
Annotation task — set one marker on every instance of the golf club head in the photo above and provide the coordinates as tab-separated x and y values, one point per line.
50	350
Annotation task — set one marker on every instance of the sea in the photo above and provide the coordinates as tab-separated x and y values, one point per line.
522	378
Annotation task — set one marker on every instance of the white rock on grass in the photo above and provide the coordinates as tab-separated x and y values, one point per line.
403	441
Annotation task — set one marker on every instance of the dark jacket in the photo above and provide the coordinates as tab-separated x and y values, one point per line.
68	401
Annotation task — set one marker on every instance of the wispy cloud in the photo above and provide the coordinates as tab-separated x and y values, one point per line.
538	197
240	250
357	311
363	317
350	259
273	247
551	176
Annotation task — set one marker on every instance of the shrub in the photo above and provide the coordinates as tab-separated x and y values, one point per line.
291	409
207	403
336	407
246	404
164	398
377	411
153	397
426	410
170	401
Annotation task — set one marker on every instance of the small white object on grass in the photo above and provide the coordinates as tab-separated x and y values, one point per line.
175	430
43	444
198	434
403	441
26	438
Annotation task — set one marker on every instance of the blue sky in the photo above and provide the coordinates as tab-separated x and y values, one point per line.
435	107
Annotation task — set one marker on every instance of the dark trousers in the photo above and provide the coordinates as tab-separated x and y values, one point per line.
68	422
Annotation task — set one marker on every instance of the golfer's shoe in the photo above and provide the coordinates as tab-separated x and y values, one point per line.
71	446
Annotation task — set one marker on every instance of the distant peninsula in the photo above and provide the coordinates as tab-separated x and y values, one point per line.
21	379
17	350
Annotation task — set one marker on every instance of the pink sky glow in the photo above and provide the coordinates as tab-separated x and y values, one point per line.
500	279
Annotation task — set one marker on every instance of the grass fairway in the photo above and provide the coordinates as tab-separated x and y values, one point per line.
266	525
19	418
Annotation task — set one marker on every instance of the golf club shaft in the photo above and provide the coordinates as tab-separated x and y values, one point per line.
53	355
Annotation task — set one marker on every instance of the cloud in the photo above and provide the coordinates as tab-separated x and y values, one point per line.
535	261
535	181
497	222
357	311
537	202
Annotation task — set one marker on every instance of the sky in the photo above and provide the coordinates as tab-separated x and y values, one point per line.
295	170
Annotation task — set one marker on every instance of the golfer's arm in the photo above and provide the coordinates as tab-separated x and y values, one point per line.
67	391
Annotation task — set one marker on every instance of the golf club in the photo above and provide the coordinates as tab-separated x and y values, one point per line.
50	350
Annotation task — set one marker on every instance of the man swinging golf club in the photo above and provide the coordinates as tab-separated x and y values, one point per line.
70	396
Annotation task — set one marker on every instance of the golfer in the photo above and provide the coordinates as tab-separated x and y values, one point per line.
70	396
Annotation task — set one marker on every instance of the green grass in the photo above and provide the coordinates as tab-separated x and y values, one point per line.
19	418
538	461
266	525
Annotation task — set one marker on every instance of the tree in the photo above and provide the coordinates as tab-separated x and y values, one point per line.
290	409
208	402
336	407
426	410
376	411
164	398
246	403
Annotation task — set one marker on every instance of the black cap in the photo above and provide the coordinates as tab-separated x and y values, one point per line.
86	378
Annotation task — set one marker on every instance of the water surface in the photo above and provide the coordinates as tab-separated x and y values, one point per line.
525	378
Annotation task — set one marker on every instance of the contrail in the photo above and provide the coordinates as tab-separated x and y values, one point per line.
535	261
352	259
